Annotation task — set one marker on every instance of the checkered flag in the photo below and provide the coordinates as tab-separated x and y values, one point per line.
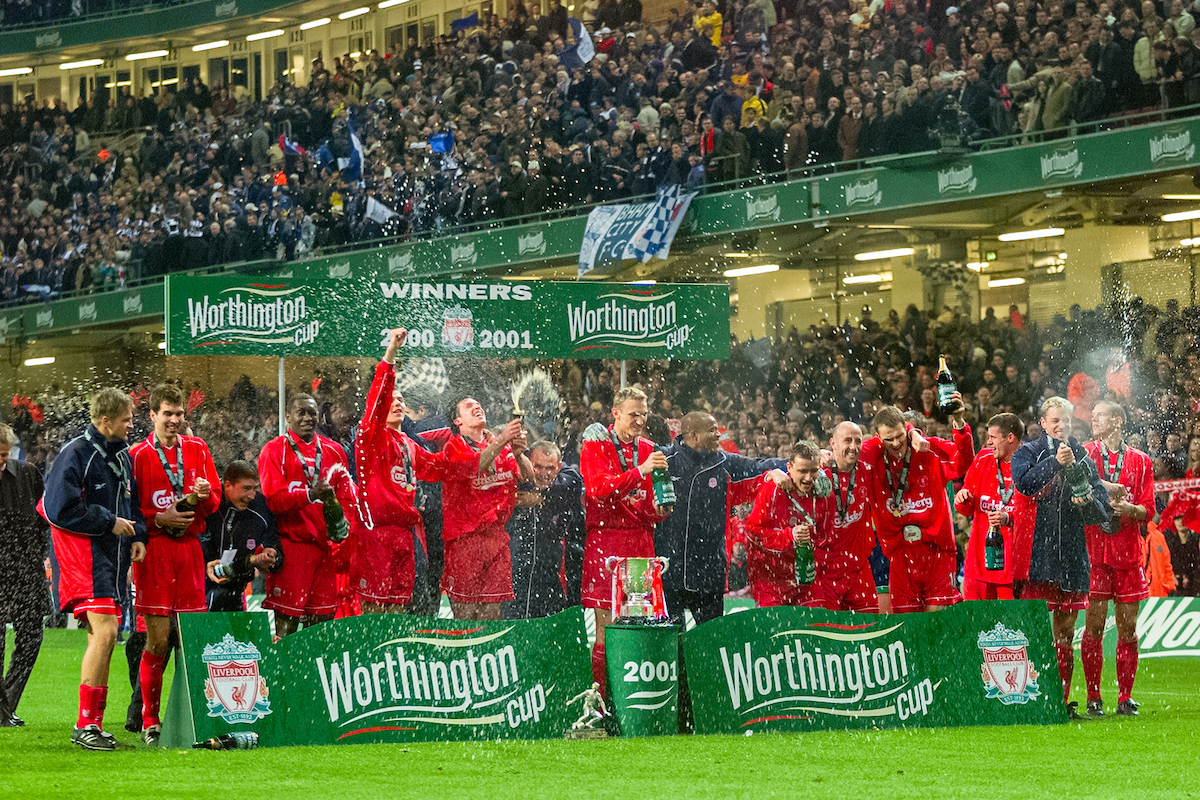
427	373
661	223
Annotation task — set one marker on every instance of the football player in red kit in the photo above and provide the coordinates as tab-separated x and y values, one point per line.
618	501
479	491
297	470
988	499
844	580
1116	558
783	518
911	511
175	478
391	540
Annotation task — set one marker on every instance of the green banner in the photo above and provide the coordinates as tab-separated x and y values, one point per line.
929	180
42	319
241	315
377	678
145	20
795	669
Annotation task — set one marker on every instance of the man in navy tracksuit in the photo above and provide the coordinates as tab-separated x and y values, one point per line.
547	521
91	503
242	524
693	537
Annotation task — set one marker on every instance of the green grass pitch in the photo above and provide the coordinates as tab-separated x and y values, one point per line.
1152	756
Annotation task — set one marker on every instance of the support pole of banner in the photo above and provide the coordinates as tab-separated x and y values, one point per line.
623	373
282	399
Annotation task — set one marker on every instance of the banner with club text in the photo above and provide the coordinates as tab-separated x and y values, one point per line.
798	669
632	231
377	678
336	316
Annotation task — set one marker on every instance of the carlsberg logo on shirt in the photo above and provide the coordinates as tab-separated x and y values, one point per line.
253	314
642	321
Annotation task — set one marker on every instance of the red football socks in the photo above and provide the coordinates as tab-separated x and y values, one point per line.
1066	667
150	674
599	673
1091	652
1127	663
91	705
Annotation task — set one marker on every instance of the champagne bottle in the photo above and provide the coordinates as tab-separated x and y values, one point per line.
229	741
187	504
946	387
993	550
806	564
664	490
336	527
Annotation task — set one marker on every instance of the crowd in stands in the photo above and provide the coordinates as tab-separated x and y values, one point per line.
514	117
771	393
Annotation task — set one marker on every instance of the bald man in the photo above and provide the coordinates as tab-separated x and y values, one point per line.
707	481
844	578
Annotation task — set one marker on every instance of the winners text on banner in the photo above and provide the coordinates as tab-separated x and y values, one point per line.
265	315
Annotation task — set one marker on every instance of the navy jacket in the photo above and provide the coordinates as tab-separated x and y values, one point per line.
693	537
1059	554
247	532
84	496
541	538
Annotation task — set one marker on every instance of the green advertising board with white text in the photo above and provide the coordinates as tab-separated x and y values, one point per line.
275	316
799	669
377	678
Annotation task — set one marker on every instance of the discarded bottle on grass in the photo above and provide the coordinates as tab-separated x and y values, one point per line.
229	741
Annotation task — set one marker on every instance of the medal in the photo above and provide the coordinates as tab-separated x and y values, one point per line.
174	476
1112	475
312	471
897	490
843	501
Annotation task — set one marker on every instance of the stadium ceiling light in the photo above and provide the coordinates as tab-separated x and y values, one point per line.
643	283
355	12
1021	236
999	283
162	345
1181	197
876	255
736	254
254	37
147	54
87	62
200	48
39	362
315	23
977	266
757	269
1180	216
875	277
390	3
4	73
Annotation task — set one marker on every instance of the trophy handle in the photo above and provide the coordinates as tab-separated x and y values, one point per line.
664	561
608	562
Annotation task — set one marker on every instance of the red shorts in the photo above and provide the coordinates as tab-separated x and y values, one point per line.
769	593
1122	585
88	567
307	583
383	567
478	567
1056	599
597	578
94	605
171	577
975	589
921	576
845	590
